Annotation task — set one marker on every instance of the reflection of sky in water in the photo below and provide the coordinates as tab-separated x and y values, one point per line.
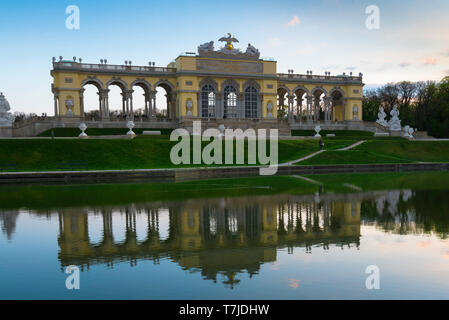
253	248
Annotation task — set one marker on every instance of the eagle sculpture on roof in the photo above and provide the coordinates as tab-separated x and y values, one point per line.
229	40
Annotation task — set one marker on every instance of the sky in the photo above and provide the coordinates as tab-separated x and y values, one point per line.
411	43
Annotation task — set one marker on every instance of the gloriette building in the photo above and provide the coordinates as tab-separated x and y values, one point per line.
227	86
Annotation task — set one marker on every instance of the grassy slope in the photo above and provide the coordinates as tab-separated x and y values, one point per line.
139	153
386	152
47	196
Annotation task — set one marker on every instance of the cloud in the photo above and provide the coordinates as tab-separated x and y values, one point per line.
351	68
446	72
294	283
430	61
404	64
295	21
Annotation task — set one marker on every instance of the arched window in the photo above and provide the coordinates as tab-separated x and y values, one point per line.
230	102
208	101
250	102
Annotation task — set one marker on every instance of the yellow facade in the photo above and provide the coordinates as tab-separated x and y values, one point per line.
260	91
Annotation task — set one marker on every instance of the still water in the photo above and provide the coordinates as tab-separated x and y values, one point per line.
254	247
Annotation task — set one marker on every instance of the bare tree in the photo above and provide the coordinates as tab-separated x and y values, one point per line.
389	95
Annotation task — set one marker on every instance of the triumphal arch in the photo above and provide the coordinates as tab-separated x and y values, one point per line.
226	85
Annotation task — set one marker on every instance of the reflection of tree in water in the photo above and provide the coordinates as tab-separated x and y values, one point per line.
406	212
9	220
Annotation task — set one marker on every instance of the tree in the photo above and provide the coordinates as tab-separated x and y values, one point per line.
370	105
389	95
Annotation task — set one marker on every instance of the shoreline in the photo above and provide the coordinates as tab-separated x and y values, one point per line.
203	173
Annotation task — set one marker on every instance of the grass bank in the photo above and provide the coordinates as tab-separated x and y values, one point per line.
115	154
374	151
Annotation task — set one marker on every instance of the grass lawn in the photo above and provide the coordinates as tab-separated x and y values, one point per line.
115	154
58	196
372	151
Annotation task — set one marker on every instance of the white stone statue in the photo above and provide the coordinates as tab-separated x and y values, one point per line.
189	106
130	126
395	123
6	118
406	131
270	109
252	51
69	105
206	47
317	130
381	117
83	128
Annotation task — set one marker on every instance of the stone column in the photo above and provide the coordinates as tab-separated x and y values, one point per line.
309	108
240	112
153	103
327	107
219	105
316	102
343	105
131	111
148	108
81	94
104	109
290	107
55	97
299	108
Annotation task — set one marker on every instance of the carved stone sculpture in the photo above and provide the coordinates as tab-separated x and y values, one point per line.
381	117
6	118
395	123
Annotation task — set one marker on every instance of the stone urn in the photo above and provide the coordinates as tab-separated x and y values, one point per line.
130	125
317	130
83	128
221	128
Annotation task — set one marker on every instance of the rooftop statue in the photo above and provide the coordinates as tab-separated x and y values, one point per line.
251	50
6	118
229	40
207	49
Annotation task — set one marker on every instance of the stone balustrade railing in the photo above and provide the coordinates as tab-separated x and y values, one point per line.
109	67
313	77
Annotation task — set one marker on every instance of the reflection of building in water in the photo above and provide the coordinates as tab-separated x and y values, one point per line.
9	220
214	236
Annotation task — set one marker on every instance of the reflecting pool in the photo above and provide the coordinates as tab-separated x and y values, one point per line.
261	246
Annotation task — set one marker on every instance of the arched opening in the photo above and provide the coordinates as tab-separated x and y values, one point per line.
251	103
208	101
143	99
282	105
116	88
229	102
116	103
165	101
318	104
300	105
90	99
139	102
